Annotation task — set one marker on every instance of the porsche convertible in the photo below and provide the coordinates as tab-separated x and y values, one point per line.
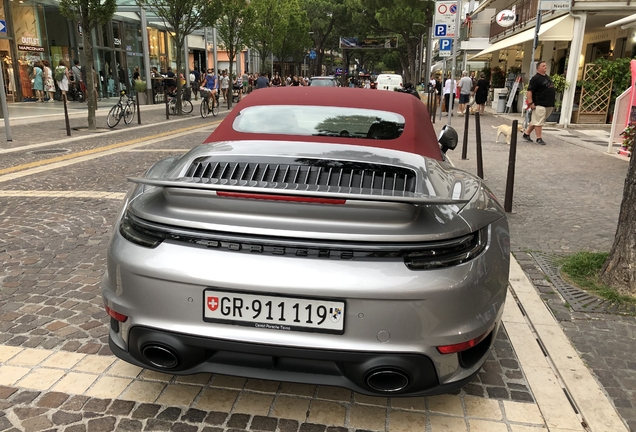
319	235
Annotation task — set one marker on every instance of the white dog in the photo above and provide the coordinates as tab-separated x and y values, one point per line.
506	131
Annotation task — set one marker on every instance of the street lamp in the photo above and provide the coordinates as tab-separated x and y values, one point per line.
421	53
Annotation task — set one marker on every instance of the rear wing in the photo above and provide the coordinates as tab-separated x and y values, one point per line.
322	192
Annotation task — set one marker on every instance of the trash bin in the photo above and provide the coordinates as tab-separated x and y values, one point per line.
501	103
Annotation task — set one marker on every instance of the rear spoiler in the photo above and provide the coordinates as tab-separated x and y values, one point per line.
414	199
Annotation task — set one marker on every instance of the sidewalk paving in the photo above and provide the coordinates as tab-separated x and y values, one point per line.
566	199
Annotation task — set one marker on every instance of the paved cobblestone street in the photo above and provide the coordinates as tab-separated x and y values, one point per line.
57	372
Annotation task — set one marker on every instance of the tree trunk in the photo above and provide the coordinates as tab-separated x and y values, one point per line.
179	48
91	96
619	270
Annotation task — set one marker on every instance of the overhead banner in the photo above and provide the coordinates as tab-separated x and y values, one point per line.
368	43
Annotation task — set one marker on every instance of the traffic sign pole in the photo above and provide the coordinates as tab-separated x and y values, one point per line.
454	65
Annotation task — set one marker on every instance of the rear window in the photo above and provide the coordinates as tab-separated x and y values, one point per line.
322	82
320	121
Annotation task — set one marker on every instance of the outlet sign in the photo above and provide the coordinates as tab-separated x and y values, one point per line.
506	18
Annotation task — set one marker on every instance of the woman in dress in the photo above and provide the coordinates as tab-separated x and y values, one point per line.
481	92
63	83
38	84
49	84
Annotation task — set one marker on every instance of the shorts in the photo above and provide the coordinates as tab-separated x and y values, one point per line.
539	115
464	98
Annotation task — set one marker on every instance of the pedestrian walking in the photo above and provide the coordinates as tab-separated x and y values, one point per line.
49	84
481	92
36	79
465	86
449	96
224	80
262	81
540	99
61	76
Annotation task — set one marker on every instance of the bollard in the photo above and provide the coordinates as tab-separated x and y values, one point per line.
434	108
465	144
68	124
510	181
480	160
165	98
138	113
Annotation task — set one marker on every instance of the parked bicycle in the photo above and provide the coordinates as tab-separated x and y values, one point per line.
121	109
186	105
205	108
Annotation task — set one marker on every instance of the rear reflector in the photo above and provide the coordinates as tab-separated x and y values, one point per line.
119	317
289	198
463	346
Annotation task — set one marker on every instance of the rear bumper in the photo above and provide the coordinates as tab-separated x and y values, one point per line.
371	373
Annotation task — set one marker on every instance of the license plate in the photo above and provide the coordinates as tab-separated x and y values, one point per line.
273	312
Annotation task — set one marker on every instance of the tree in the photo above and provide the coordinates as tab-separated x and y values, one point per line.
270	25
619	270
90	14
325	16
183	17
234	26
294	38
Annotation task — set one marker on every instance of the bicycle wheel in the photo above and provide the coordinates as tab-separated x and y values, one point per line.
133	106
128	115
172	107
215	107
204	109
186	106
114	115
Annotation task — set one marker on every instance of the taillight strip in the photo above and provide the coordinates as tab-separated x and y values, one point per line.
289	198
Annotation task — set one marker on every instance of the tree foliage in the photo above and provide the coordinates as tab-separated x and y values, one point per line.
90	14
182	17
234	28
294	38
270	26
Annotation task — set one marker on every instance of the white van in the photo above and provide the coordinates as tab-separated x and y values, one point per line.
389	82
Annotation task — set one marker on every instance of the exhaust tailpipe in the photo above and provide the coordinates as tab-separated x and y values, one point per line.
161	357
387	380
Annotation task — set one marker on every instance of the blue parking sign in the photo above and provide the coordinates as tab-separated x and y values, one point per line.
445	47
440	30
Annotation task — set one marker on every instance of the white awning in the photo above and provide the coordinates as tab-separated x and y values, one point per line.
560	29
626	22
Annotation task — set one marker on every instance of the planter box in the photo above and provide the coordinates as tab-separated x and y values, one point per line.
554	117
143	99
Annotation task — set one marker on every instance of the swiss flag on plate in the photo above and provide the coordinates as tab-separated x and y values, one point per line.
213	303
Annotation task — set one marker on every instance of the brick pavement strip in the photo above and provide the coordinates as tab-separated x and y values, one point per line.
34	304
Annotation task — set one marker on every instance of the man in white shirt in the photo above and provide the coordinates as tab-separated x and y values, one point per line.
449	95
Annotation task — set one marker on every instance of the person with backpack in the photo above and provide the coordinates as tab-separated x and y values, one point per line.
61	76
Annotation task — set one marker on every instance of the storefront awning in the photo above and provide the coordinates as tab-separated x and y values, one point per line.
629	21
559	29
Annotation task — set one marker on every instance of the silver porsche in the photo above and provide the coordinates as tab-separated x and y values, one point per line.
319	235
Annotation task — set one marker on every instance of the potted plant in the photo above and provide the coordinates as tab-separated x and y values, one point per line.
140	89
560	85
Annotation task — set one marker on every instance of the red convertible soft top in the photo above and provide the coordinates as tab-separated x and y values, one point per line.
418	136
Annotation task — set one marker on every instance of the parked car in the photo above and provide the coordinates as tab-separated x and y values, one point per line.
319	236
389	82
323	81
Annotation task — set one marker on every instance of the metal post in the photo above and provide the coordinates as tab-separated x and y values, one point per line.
421	63
3	103
454	62
434	107
465	142
68	124
207	47
186	67
442	95
138	111
510	180
165	98
480	160
429	53
146	46
216	70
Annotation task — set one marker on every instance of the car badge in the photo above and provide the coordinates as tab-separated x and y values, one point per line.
335	314
213	303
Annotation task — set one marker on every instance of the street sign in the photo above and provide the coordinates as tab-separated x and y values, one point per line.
555	4
3	26
445	47
440	30
312	54
445	13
